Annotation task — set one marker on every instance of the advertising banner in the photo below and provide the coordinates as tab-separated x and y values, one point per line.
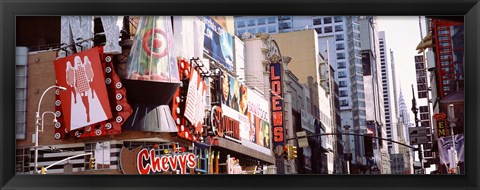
259	119
308	121
86	97
189	103
232	122
444	146
69	103
230	92
218	43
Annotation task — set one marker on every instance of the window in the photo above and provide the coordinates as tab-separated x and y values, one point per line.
340	46
342	74
327	20
344	103
319	30
252	30
340	55
271	20
328	29
285	25
338	28
356	27
272	29
356	36
424	116
423	109
317	21
241	23
338	19
261	21
341	65
339	37
262	30
342	83
251	22
343	93
21	92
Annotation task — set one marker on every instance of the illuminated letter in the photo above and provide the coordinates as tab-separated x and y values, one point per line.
191	160
276	87
143	154
276	103
272	74
278	134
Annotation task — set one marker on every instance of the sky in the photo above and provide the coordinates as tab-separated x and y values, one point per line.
402	35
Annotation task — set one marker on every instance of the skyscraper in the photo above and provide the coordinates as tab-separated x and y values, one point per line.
342	33
388	87
404	116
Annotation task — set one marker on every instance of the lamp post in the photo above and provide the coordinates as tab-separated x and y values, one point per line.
37	122
453	150
415	112
347	144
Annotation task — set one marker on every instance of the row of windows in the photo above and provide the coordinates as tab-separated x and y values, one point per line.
271	29
253	22
329	29
327	20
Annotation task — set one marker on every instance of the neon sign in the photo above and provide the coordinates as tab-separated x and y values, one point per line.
277	104
148	162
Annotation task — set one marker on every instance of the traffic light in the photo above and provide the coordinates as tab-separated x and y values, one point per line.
43	170
285	152
92	163
291	152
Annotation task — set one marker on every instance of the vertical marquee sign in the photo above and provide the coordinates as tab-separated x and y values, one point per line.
274	57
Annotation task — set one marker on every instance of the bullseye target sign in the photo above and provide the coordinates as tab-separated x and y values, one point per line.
155	39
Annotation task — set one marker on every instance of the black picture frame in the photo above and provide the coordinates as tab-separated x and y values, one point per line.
10	9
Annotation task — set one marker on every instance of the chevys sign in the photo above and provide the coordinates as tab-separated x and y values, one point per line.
145	161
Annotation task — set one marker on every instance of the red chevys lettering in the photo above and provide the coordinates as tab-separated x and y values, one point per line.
148	162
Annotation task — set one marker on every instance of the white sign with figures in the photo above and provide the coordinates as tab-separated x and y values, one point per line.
418	135
417	131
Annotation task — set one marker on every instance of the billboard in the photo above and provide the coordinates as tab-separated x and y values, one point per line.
86	96
218	43
248	109
189	104
230	91
258	116
444	146
308	121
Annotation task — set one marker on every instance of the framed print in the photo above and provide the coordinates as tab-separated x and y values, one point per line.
243	95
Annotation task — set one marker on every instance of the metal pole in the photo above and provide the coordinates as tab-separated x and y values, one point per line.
71	157
37	123
348	167
451	119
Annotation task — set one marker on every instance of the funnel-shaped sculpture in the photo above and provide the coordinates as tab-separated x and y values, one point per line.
152	72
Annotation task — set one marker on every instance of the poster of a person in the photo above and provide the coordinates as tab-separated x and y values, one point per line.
86	101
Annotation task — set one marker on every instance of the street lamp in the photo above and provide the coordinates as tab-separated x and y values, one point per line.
453	150
37	122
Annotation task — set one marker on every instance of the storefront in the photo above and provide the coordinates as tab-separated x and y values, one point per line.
150	104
